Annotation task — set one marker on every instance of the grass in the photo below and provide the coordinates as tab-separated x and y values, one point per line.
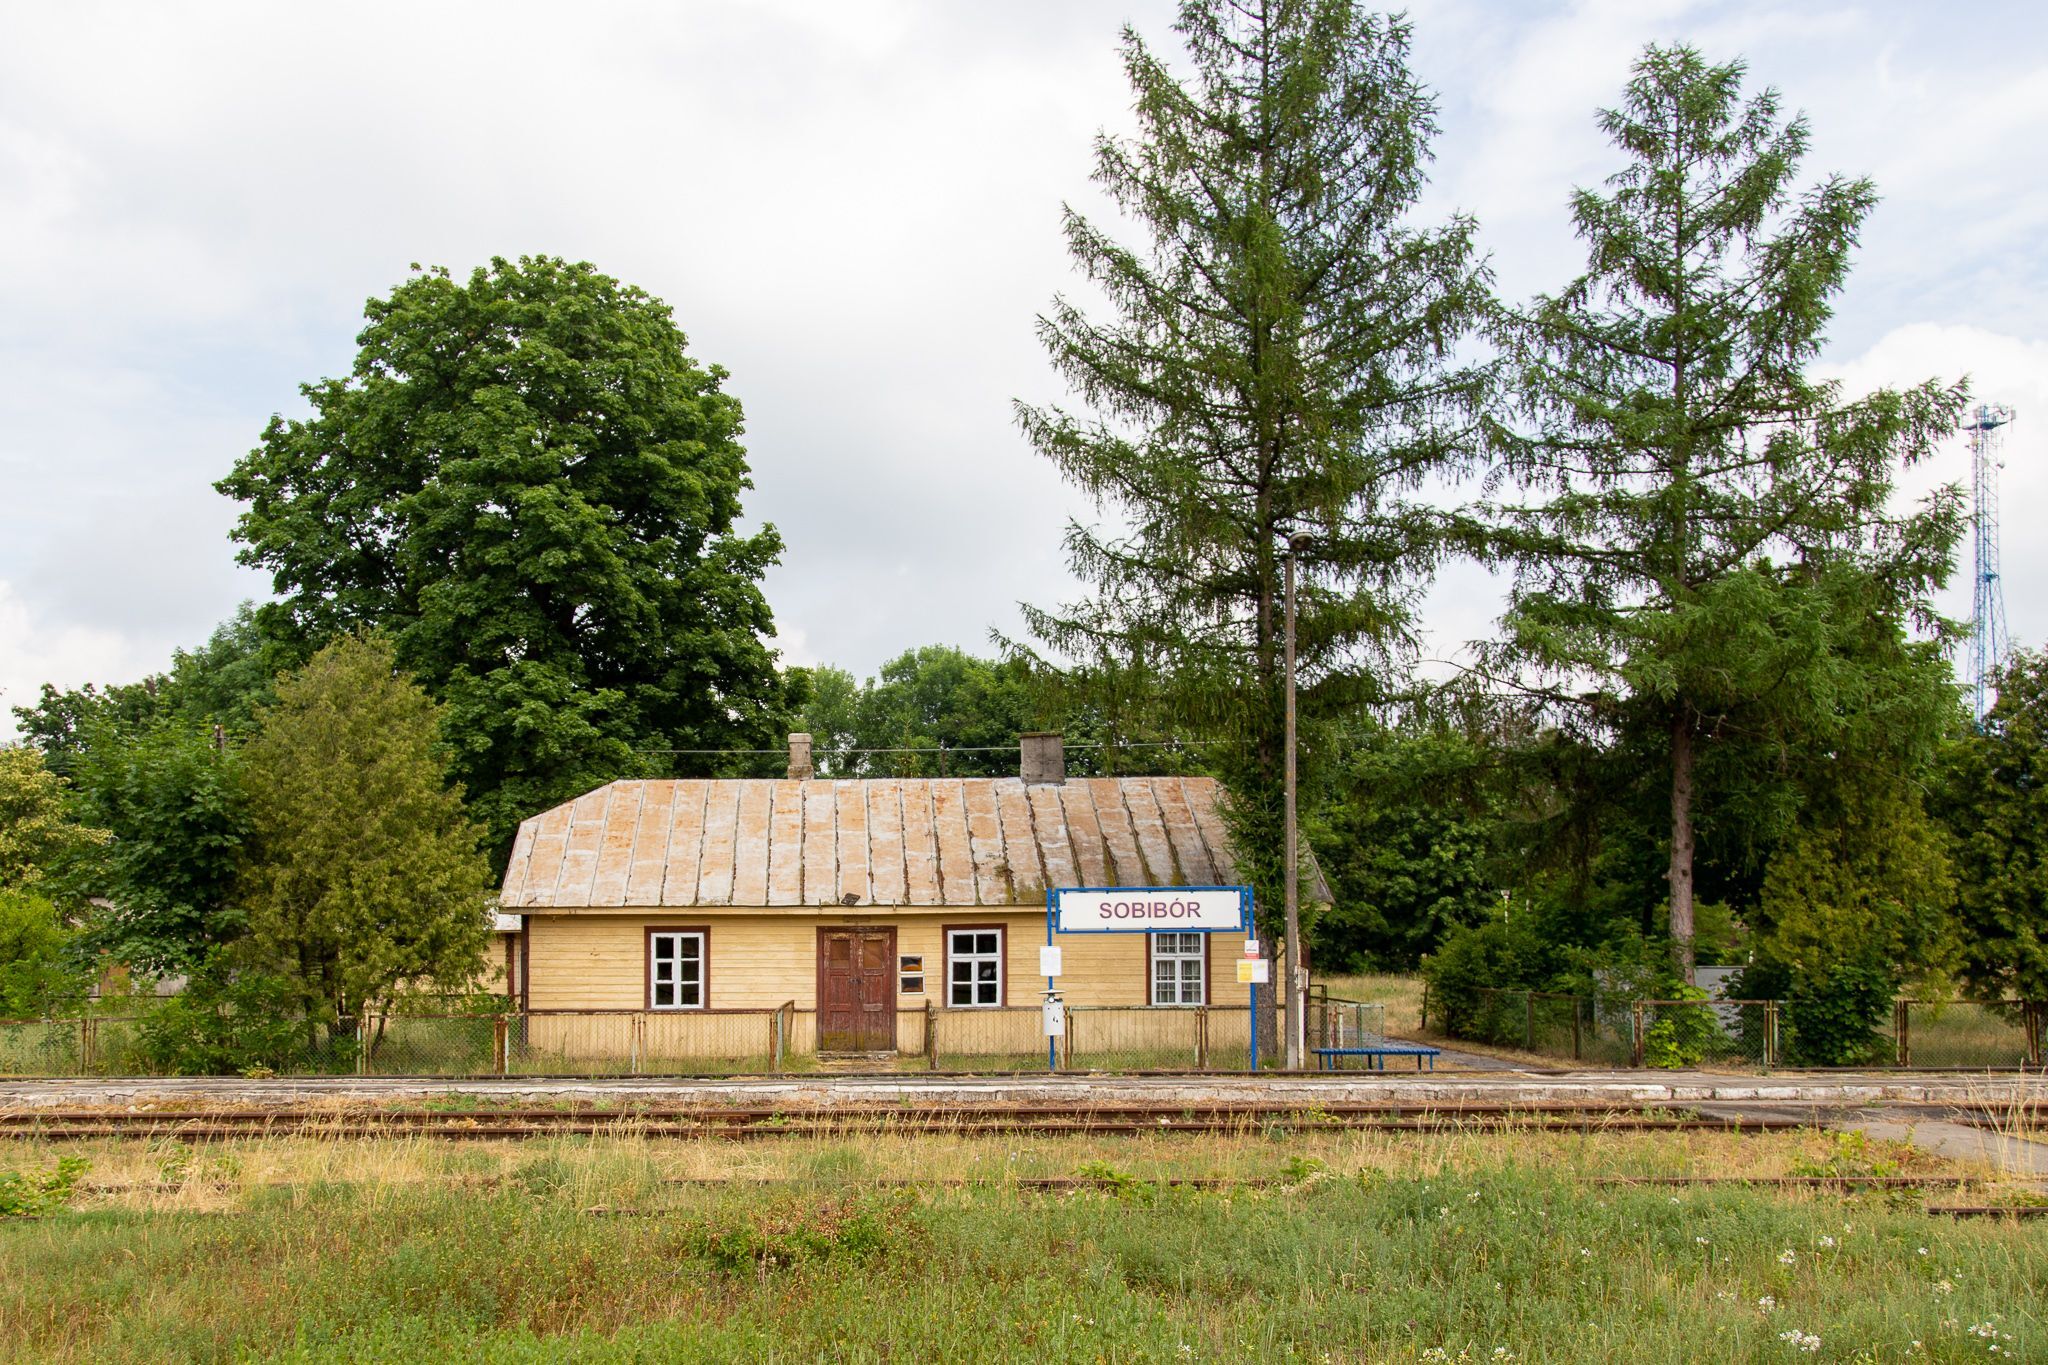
1371	1247
1402	995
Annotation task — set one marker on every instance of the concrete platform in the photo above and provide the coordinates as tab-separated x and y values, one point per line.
1806	1092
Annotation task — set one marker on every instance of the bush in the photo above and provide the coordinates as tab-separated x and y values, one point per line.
1830	1014
228	1024
1503	954
1681	1038
30	1196
35	969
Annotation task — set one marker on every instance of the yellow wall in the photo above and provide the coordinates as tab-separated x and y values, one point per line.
597	960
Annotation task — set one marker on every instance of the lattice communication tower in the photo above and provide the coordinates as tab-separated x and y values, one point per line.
1987	604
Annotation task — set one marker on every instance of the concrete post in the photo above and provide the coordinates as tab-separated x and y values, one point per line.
801	768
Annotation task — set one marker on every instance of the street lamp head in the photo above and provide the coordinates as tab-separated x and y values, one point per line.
1298	541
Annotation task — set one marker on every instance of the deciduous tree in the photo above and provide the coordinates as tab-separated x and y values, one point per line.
363	874
533	489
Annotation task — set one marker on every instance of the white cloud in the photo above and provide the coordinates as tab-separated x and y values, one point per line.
35	650
853	207
2000	369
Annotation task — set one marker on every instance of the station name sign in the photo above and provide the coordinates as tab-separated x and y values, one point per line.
1151	909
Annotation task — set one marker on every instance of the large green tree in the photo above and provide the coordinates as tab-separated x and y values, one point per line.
362	874
1993	797
172	798
1709	557
941	710
154	764
1272	365
533	489
220	683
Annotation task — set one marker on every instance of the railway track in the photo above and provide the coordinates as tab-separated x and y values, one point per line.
739	1123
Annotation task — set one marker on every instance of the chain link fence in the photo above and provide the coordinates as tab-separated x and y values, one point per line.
1678	1034
483	1037
1575	1028
1966	1034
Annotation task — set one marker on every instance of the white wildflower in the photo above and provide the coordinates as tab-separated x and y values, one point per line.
1787	1256
1805	1341
1767	1303
1827	1242
1944	1287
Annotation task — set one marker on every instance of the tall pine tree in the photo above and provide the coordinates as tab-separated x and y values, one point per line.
1705	535
1273	365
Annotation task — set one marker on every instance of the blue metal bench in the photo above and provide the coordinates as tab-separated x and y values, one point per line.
1376	1055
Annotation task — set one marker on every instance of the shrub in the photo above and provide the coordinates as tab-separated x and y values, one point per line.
1683	1037
228	1023
35	970
1505	954
30	1196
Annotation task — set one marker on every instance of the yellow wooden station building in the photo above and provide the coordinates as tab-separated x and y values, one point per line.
862	906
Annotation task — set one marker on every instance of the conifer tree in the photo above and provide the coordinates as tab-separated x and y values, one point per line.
1706	544
1272	366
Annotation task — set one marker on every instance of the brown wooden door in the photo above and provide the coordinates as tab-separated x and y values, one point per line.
857	989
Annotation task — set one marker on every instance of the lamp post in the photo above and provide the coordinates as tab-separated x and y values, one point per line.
1297	984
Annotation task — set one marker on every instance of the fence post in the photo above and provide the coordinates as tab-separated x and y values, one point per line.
1770	1034
2032	1012
1902	1034
501	1043
1202	1038
1635	1032
639	1027
1422	1017
1575	1028
85	1042
931	1037
1528	1021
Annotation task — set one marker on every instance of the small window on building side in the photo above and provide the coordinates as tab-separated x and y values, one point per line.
675	970
910	974
1179	968
974	968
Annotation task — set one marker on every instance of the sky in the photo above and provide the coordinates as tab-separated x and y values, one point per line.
853	206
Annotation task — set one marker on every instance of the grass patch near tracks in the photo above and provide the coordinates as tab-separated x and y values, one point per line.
1356	1247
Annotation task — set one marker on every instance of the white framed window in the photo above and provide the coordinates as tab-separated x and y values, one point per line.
1180	969
974	967
675	969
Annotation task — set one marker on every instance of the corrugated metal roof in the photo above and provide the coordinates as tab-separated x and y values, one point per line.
876	841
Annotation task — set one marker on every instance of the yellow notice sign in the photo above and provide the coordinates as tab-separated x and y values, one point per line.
1251	971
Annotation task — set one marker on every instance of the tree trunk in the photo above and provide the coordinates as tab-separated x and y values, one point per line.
1680	874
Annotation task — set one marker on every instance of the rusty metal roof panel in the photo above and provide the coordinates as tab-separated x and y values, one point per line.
682	876
886	881
1190	854
886	842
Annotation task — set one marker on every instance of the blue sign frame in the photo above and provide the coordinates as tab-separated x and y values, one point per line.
1245	925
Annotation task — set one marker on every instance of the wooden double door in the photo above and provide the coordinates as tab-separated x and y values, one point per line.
857	989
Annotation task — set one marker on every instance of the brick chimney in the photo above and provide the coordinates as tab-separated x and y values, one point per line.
1042	756
800	766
